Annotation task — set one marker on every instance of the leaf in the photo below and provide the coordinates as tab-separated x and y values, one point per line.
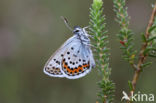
152	28
144	38
147	50
152	53
151	39
146	64
130	85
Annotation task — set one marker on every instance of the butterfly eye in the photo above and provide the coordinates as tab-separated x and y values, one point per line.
76	31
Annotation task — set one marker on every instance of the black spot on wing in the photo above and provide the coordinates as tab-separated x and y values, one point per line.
72	48
68	52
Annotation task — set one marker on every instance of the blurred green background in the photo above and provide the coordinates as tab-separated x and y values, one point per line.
31	30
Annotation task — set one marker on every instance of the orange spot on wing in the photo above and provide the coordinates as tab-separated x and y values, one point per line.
75	70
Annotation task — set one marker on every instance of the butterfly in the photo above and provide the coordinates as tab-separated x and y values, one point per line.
74	59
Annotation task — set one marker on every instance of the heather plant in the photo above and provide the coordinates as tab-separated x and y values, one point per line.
136	58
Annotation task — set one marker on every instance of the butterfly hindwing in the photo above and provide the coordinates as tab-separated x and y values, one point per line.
76	62
53	66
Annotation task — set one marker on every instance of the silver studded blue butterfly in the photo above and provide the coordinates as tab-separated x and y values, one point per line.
74	59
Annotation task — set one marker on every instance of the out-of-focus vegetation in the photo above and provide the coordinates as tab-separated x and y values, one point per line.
136	58
31	30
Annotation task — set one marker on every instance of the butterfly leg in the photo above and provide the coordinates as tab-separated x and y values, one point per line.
86	27
90	45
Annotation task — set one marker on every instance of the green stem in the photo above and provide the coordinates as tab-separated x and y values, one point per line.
99	32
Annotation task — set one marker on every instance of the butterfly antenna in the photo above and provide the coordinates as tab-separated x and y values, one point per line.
66	23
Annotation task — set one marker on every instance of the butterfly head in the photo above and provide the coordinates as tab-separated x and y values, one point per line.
77	30
80	31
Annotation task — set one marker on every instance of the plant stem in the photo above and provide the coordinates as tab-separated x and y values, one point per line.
101	53
142	56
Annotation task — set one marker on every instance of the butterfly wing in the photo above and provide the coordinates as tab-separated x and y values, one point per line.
78	60
53	66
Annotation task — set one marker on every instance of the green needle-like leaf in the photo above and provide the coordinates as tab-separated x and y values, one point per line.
100	41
